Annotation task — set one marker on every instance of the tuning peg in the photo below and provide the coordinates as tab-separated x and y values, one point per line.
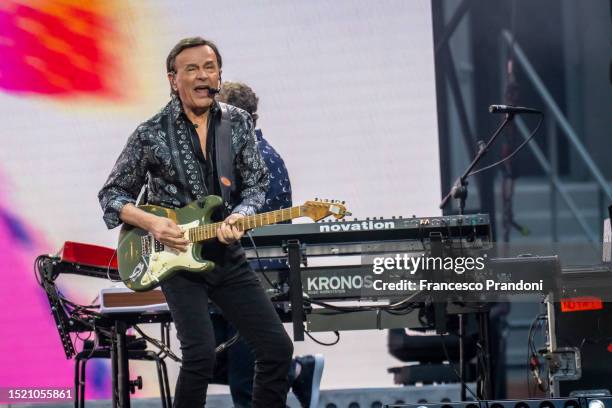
343	202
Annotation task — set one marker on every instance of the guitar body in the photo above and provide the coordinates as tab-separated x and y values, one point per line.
145	263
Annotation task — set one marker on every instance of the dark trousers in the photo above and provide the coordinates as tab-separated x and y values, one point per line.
236	365
239	295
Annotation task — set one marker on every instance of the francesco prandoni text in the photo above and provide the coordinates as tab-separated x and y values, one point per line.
489	284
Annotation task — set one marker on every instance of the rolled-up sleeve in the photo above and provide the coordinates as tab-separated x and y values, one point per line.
124	182
253	173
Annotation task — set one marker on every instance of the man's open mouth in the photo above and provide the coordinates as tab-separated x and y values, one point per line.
202	90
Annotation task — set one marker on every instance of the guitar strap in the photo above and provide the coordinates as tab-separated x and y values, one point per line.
144	192
225	156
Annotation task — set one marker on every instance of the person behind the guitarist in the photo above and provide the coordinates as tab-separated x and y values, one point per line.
184	153
236	365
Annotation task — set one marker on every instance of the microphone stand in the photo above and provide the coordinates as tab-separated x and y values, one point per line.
459	191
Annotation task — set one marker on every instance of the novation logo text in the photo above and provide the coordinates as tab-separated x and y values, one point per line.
357	226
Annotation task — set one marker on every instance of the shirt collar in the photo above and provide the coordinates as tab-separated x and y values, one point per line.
258	135
175	108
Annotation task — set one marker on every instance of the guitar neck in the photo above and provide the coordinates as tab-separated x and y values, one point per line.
209	231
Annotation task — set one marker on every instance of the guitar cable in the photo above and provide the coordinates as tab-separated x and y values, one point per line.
261	269
160	345
319	342
108	268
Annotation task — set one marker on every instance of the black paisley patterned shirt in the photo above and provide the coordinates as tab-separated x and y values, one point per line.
162	153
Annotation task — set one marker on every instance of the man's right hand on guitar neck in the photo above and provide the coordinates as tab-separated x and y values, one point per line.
163	229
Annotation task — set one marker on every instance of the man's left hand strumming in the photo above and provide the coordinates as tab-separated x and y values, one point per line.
228	233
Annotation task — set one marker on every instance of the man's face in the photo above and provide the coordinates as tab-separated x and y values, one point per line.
196	69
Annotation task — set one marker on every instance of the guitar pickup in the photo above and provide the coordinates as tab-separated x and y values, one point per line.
145	244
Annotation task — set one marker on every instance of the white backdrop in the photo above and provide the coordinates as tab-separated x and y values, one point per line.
347	97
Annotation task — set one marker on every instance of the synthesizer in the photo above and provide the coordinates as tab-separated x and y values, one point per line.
370	235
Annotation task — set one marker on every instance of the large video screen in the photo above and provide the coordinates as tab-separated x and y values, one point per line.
347	98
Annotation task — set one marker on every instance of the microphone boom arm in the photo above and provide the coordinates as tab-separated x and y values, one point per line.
459	188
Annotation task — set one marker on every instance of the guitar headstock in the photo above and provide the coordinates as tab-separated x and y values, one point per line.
319	209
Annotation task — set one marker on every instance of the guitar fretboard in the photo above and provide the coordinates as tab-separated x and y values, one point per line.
209	231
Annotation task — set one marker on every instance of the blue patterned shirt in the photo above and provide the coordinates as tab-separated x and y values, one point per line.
279	190
278	195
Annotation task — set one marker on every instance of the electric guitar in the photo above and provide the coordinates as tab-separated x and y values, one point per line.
145	262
